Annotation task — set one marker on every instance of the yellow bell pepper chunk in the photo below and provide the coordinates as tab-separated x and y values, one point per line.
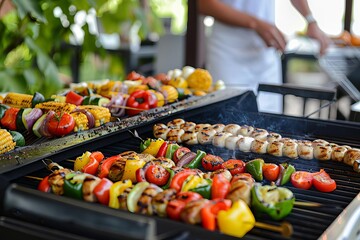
115	190
191	182
81	161
236	221
154	146
131	165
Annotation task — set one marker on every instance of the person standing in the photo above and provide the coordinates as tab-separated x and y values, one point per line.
243	49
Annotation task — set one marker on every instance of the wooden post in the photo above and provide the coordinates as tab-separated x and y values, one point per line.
195	38
348	15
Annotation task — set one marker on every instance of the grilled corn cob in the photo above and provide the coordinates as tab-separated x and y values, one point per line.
81	121
18	100
56	106
6	141
101	114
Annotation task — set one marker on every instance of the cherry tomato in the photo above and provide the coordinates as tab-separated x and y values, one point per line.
235	166
211	162
174	208
323	182
74	98
61	124
271	171
302	179
179	153
157	174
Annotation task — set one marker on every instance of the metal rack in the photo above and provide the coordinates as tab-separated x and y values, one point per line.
338	63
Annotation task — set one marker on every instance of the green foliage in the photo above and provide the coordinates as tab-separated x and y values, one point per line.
35	38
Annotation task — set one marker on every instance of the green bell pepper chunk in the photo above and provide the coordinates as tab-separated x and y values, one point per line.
254	167
172	147
277	202
195	163
144	144
73	184
172	173
204	191
285	173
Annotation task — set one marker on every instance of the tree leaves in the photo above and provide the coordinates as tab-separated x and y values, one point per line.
31	7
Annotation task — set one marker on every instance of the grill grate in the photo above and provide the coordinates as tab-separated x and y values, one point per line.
308	223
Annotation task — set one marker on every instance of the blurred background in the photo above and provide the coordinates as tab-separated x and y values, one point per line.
46	45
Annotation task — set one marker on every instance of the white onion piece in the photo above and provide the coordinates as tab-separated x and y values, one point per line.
44	128
31	118
90	117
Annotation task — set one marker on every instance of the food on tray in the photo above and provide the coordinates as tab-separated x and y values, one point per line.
250	139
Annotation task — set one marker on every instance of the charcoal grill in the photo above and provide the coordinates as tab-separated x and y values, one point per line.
22	205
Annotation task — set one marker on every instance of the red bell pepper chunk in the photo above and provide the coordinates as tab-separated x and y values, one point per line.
8	121
210	212
162	150
102	191
44	185
187	197
174	208
220	187
104	167
74	98
180	177
92	166
142	100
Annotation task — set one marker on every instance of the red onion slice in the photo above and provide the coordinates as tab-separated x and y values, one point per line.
31	118
90	117
116	105
186	159
44	128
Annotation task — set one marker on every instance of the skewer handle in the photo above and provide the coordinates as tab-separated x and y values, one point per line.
285	228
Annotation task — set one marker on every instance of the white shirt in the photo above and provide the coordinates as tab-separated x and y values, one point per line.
240	57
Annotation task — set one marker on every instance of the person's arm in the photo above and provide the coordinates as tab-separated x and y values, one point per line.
313	29
228	15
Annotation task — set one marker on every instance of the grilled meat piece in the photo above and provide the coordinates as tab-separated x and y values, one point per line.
245	144
245	130
206	135
260	134
305	149
273	137
160	131
232	128
351	156
259	146
174	135
200	126
188	126
147	157
56	180
190	138
231	142
160	201
176	123
322	152
191	212
90	182
144	204
290	148
123	198
275	148
117	169
219	139
338	153
219	127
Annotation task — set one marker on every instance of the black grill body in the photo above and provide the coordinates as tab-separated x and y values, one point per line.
92	221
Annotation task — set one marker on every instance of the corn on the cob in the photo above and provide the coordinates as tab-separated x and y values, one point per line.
18	100
101	114
81	121
56	106
6	141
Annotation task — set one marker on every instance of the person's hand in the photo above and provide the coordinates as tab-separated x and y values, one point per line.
315	32
271	35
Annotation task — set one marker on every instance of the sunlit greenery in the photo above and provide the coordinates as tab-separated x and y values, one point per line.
35	38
